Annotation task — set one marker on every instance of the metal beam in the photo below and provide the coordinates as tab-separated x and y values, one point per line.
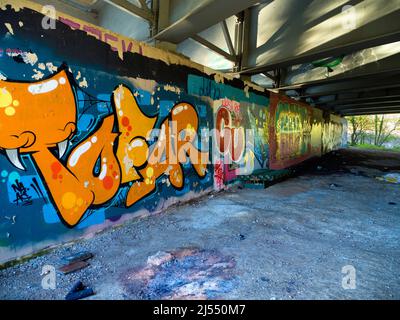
369	112
359	89
360	100
379	62
130	8
369	95
143	4
377	22
201	17
366	105
369	107
394	70
268	75
244	57
239	29
213	47
347	49
227	37
361	85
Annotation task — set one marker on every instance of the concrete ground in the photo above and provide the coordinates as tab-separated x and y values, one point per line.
289	241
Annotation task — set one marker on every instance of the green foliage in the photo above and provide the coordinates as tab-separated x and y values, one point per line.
380	127
374	147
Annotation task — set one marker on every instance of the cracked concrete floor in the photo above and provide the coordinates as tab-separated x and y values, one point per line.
289	241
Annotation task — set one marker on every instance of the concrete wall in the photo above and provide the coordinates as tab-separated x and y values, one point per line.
96	128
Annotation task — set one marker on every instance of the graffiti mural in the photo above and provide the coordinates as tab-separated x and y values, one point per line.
241	136
121	147
334	134
230	140
89	139
241	131
299	132
316	132
291	132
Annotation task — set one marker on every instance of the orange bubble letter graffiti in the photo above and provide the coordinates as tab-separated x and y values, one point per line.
39	118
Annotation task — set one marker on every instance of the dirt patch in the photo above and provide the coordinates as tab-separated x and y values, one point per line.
188	273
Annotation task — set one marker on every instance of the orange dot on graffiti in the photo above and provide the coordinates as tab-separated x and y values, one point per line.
68	200
125	121
108	183
55	168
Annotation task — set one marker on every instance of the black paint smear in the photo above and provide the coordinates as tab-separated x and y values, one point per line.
77	48
18	59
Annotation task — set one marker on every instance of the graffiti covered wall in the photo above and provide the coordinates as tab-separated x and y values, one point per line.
299	132
96	128
239	131
291	124
334	134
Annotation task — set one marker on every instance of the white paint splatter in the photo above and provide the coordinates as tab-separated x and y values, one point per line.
51	67
83	83
137	143
78	152
78	76
44	87
30	58
42	66
178	110
9	28
38	74
103	172
118	96
171	89
128	163
21	24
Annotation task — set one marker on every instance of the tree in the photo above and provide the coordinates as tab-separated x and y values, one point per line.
359	126
383	129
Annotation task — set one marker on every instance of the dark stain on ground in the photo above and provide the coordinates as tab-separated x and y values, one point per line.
342	160
188	273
